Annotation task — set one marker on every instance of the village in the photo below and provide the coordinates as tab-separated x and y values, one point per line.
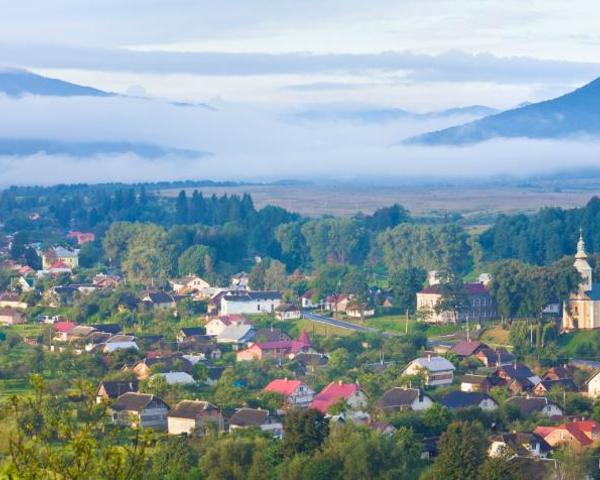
171	381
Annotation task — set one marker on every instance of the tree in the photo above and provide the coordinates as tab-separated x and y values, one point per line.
173	458
275	276
498	468
148	256
196	260
453	297
461	451
181	209
304	431
405	283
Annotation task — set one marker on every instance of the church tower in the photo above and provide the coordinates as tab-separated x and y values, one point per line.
582	265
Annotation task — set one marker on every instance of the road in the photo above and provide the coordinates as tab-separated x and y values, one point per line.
332	322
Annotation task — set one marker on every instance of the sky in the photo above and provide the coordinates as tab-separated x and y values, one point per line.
257	63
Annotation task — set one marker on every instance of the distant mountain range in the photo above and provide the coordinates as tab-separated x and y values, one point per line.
32	146
370	114
574	114
15	83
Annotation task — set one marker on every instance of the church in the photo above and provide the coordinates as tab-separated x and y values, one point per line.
582	311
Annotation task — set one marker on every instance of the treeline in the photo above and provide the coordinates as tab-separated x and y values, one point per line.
544	237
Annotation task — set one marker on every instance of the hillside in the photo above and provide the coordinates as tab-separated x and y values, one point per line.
574	114
15	83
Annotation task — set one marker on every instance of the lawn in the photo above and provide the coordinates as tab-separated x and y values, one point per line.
398	324
13	387
579	343
25	329
495	335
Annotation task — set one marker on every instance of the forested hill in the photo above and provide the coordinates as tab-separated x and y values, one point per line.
543	237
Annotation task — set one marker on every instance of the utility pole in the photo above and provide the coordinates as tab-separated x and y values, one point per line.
468	330
406	323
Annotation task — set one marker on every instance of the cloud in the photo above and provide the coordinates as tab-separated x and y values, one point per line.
452	66
254	142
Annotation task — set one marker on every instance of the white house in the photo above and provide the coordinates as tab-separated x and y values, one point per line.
215	326
529	405
593	385
437	370
189	284
399	398
294	392
249	302
190	415
286	311
459	399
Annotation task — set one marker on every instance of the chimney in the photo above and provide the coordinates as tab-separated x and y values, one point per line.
339	382
429	357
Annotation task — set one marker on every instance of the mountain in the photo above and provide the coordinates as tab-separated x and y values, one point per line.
372	114
32	146
573	114
15	83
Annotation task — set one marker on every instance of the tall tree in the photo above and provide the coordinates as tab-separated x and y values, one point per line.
181	209
405	283
461	452
304	431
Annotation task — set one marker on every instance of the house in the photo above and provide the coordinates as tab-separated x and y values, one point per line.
294	392
207	349
481	305
355	309
215	326
518	377
336	303
510	445
177	378
335	392
270	335
578	434
307	300
25	283
240	281
277	350
112	328
437	370
140	410
475	383
467	348
189	333
286	311
309	363
12	300
61	330
495	358
559	373
460	399
189	284
106	282
111	346
79	333
593	385
10	316
399	398
564	384
249	302
82	237
171	363
61	295
236	334
189	416
258	418
110	390
54	256
160	301
535	405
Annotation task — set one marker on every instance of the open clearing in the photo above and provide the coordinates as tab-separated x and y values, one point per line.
477	202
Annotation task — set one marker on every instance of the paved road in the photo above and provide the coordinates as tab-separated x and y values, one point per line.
332	322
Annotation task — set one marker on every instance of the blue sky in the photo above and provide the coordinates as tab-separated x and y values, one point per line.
260	62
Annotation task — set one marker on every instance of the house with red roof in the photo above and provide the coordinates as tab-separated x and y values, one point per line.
481	305
82	237
295	392
335	392
466	348
278	350
62	329
577	434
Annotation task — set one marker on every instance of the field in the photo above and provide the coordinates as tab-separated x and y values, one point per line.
478	204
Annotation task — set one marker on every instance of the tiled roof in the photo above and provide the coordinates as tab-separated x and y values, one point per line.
466	349
399	397
460	399
249	417
136	402
283	386
192	409
332	393
434	364
115	388
528	405
64	327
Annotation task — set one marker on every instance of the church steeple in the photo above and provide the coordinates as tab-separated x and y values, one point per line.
582	265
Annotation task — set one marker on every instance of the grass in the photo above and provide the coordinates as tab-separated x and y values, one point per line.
571	343
25	329
317	329
15	386
397	324
495	335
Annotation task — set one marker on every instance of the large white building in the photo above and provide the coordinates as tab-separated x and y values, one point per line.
249	302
